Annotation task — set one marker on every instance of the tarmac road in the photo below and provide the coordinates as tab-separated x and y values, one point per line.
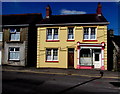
35	83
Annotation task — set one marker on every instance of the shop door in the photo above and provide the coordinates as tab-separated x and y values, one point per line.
70	58
97	60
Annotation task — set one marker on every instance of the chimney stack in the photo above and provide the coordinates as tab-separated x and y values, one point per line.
48	12
99	9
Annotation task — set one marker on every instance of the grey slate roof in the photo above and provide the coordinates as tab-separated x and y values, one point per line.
78	18
15	19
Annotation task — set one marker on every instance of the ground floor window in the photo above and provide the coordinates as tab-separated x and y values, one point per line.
86	57
14	53
52	54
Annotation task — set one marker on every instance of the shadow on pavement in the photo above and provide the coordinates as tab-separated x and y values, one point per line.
116	84
81	83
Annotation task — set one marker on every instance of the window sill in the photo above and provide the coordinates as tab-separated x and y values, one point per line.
70	40
14	41
14	60
52	61
52	40
89	40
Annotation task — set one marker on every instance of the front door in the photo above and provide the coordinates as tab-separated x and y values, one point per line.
97	59
71	58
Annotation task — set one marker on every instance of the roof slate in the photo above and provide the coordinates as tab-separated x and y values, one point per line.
15	19
79	18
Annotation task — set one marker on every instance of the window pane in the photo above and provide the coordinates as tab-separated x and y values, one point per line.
92	36
1	36
11	55
14	55
86	61
13	30
86	33
96	57
49	33
16	49
70	33
55	54
55	31
85	53
15	36
55	34
11	49
48	55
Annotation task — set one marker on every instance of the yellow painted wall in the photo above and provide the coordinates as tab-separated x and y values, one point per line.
63	45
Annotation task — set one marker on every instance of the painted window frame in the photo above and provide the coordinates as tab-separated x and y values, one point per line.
1	36
15	34
14	51
89	34
52	54
69	33
52	34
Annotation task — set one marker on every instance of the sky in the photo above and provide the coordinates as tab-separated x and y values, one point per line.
109	9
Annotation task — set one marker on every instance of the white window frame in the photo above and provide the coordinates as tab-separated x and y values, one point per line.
52	54
15	33
1	36
89	33
72	33
53	33
14	52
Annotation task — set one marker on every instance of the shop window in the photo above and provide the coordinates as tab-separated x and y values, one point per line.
85	57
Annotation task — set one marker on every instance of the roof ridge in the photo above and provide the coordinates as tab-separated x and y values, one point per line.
21	14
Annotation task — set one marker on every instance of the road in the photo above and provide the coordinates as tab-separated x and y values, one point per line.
34	83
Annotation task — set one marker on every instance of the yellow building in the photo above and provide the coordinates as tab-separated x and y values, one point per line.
72	41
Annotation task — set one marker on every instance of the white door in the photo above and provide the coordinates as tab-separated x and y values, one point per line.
0	57
97	60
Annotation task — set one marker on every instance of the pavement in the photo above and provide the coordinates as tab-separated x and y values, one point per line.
58	71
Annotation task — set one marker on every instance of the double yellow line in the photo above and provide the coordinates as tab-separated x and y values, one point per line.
37	72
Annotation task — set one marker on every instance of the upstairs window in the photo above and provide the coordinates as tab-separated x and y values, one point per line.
14	35
52	34
89	33
14	53
52	54
70	33
1	36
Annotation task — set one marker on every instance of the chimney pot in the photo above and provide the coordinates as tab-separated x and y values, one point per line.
99	9
48	11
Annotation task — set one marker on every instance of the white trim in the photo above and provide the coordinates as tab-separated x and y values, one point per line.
91	47
74	23
90	44
78	57
102	56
